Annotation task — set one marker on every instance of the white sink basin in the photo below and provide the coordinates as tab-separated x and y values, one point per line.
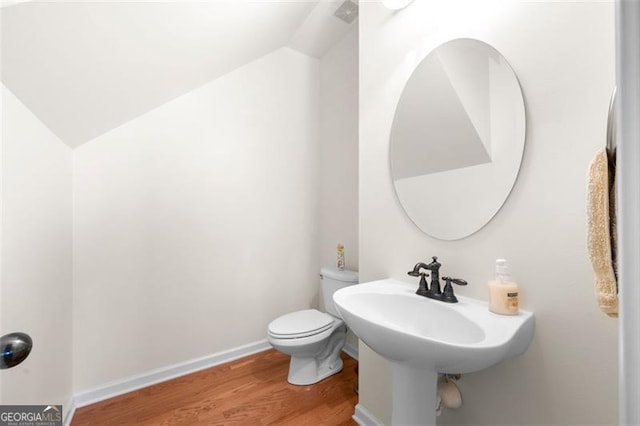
422	337
444	337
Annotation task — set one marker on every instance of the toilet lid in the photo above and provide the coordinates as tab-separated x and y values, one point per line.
300	324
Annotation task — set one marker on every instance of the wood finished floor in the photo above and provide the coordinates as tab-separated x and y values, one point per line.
249	391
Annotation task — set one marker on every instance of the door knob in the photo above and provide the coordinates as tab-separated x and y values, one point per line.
14	348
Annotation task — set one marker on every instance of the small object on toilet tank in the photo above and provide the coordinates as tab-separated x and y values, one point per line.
340	259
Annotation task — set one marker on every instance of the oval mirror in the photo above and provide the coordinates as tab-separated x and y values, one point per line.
396	4
457	139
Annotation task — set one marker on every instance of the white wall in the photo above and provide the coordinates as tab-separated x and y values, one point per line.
36	256
563	55
339	151
196	224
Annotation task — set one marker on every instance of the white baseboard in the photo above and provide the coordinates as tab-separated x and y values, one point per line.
91	396
68	411
363	417
351	350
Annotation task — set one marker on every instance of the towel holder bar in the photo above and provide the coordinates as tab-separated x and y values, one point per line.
611	128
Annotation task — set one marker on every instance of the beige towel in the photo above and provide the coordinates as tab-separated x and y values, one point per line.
599	234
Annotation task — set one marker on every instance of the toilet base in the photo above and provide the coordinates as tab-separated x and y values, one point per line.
305	371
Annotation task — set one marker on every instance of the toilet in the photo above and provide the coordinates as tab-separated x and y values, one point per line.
312	338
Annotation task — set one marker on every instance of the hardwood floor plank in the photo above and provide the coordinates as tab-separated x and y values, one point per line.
249	391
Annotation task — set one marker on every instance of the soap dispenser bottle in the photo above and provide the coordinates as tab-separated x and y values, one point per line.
503	291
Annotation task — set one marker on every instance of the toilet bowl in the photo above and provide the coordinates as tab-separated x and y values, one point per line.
312	338
314	346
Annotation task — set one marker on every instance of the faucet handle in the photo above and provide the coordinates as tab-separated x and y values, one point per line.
447	292
423	288
458	281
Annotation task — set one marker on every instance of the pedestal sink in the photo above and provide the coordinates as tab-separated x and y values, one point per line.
422	337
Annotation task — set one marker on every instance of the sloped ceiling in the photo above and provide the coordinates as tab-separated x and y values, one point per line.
84	68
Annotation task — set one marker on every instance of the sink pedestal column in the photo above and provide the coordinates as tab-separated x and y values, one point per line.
414	393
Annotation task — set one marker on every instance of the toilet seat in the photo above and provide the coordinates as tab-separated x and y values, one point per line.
300	324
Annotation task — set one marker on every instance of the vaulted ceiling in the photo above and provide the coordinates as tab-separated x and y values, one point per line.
84	68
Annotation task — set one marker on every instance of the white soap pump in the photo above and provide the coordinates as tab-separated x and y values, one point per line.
503	291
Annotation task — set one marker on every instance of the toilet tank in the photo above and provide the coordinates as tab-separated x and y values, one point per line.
333	280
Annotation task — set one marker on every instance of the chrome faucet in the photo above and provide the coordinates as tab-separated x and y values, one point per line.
433	290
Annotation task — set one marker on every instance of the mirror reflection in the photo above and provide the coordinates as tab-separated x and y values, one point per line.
457	139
